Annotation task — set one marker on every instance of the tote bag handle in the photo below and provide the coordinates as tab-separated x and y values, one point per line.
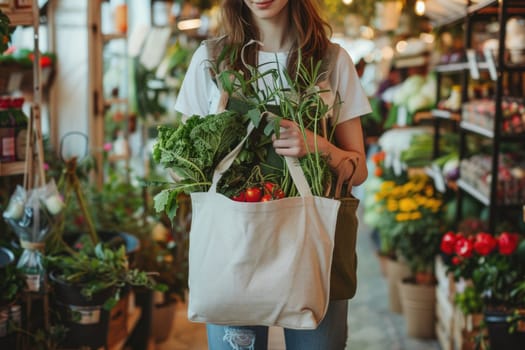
292	163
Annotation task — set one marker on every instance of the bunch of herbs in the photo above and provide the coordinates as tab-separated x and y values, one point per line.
263	97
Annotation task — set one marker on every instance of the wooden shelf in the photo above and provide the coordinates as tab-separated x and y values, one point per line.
480	6
114	101
13	168
20	17
114	36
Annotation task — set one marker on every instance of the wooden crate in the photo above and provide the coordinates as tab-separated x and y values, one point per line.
446	341
444	279
466	328
444	319
118	321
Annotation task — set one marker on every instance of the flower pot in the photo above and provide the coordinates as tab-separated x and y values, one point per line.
383	263
498	330
396	271
419	308
163	317
86	320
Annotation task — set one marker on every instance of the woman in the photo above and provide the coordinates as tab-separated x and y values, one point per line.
284	29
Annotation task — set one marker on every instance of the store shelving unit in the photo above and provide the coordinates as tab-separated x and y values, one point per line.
99	41
32	168
499	69
18	17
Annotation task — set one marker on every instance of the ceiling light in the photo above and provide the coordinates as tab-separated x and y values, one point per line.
420	7
189	24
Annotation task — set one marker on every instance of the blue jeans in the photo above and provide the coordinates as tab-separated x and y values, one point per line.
331	334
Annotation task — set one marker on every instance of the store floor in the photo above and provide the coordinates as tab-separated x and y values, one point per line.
371	325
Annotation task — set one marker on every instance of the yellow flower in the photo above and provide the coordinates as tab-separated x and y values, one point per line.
402	216
415	215
397	192
407	204
409	186
387	186
392	205
429	191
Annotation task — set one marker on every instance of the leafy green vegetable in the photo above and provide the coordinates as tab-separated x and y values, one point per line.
192	151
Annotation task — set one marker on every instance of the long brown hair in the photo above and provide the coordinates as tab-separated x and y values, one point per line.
311	31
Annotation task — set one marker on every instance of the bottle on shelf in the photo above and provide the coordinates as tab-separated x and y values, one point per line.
7	132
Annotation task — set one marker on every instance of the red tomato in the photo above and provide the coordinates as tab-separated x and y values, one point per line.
278	194
269	187
241	197
253	194
266	198
273	190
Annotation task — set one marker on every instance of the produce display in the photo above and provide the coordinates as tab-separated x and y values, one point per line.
476	171
482	113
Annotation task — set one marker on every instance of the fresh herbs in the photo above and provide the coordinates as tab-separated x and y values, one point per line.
264	96
193	150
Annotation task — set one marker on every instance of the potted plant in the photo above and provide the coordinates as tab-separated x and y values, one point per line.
409	220
90	268
495	264
88	283
416	236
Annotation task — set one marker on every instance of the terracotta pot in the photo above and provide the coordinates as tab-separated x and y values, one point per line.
425	278
162	322
419	308
383	263
396	271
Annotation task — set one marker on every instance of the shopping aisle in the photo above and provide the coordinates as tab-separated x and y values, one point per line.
371	325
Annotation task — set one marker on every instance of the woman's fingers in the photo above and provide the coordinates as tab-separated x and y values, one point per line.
290	141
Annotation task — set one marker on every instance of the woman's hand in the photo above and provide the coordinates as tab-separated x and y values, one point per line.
291	141
348	137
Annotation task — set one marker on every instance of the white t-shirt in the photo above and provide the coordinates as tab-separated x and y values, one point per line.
200	95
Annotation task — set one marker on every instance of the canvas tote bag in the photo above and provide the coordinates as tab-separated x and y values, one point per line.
265	263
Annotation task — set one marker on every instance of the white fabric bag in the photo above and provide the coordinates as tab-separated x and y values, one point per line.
265	263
